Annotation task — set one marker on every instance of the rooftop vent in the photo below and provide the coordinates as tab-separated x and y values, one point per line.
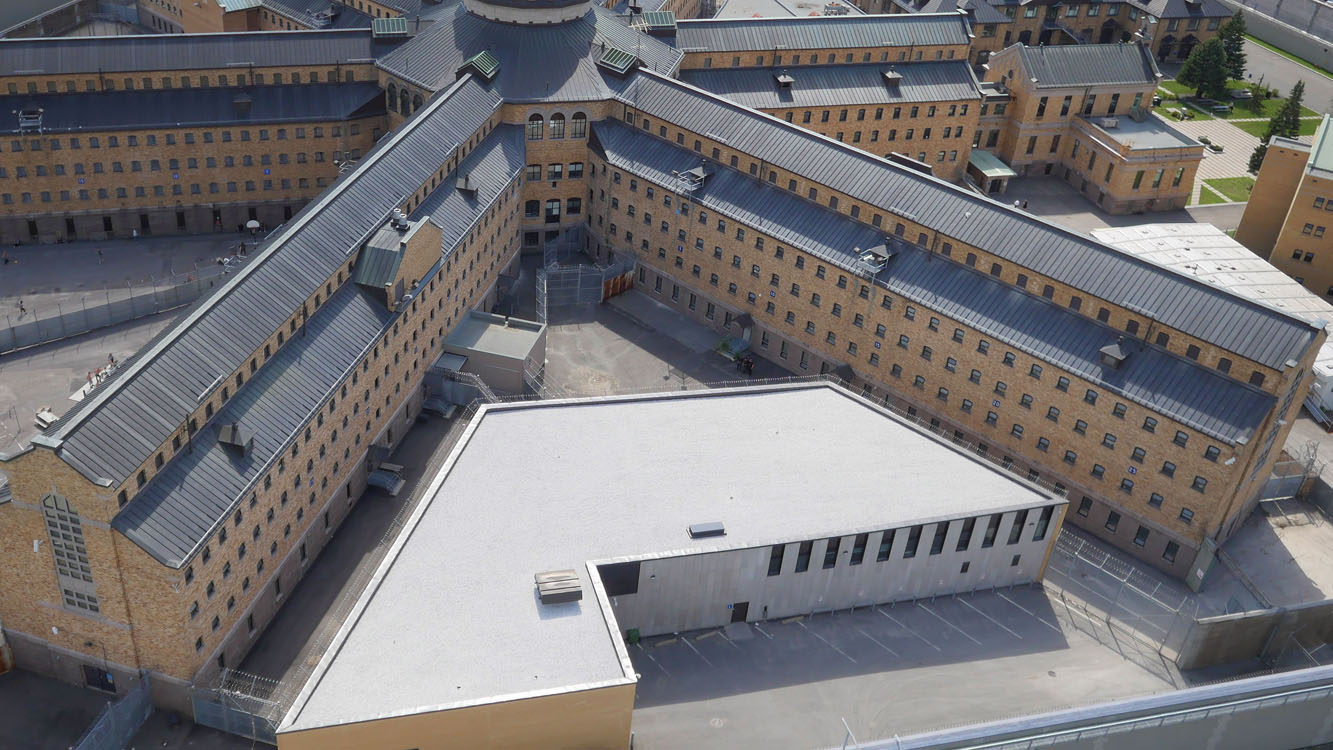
388	28
234	437
1109	123
875	259
784	79
558	586
242	103
1114	355
892	78
484	64
712	528
618	61
659	22
30	119
465	184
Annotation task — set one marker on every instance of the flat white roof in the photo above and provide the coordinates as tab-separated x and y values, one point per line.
782	8
1206	252
452	618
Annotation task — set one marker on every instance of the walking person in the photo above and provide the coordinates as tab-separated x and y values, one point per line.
22	310
100	259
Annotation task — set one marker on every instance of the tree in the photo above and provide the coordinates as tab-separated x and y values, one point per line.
1232	35
1205	70
1285	122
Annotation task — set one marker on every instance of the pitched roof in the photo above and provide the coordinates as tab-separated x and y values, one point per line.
1188	9
114	54
1247	328
112	110
555	62
822	32
832	85
1167	383
109	433
1065	65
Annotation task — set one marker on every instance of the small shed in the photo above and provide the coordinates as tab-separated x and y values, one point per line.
988	172
503	351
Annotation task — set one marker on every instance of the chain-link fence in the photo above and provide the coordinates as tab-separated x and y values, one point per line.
120	720
25	327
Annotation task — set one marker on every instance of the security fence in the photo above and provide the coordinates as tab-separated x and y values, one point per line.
120	720
108	307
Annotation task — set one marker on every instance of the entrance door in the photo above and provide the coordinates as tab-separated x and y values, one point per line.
99	678
739	611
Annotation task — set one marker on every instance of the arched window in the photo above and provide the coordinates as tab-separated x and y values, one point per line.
557	126
393	97
535	126
578	126
416	102
405	102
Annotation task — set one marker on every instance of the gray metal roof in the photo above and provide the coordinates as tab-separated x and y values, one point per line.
1066	65
821	32
114	54
109	434
182	506
321	14
982	11
537	62
1193	394
1250	329
833	85
490	166
112	110
1185	9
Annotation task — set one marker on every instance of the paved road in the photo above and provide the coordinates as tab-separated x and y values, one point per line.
1278	71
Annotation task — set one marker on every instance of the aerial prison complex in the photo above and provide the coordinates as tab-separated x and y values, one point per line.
793	182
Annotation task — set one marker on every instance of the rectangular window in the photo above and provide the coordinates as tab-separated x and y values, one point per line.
831	552
941	532
859	548
1016	531
803	556
913	541
775	559
885	546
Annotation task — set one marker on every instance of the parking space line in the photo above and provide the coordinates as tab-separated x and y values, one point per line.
655	662
686	641
946	622
728	640
826	642
1030	613
876	641
900	624
992	619
763	632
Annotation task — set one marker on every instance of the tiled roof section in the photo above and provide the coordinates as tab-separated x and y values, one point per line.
833	85
1185	9
183	505
823	32
1247	328
1196	395
1066	65
112	110
537	62
109	434
115	54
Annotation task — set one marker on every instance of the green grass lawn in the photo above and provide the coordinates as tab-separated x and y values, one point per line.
1237	189
1256	129
1243	109
1289	56
1207	196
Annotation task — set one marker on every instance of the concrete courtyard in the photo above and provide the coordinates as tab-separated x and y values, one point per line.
1057	201
39	713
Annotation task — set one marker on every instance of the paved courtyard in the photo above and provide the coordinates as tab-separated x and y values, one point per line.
1057	201
39	713
882	670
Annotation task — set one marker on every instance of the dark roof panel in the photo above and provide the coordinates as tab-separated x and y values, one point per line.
834	85
1089	65
821	32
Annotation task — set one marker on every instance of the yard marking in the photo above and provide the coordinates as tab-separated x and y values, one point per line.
826	642
876	642
686	641
763	632
946	622
988	617
900	624
1030	613
655	662
728	641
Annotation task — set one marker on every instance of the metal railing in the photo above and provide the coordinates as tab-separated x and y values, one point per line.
119	720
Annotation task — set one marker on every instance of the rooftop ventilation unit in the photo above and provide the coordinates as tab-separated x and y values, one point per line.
465	184
892	78
484	64
388	28
702	530
659	22
1109	123
232	436
617	61
784	79
242	103
876	259
558	586
1114	355
30	119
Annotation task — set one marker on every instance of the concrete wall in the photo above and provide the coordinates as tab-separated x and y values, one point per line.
697	591
55	22
597	719
1288	37
1261	634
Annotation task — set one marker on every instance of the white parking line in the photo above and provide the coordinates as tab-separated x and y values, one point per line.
1030	613
655	662
946	622
763	632
686	641
827	643
900	624
988	617
876	641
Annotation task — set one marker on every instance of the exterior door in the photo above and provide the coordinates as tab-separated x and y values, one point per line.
739	611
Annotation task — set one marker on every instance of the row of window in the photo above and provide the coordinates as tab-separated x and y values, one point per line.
159	191
831	58
554	172
897	113
537	130
169	139
174	164
884	550
167	82
1113	519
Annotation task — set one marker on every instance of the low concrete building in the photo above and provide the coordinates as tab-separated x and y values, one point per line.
504	352
746	504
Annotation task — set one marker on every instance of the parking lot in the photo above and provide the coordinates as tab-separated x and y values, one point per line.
792	682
